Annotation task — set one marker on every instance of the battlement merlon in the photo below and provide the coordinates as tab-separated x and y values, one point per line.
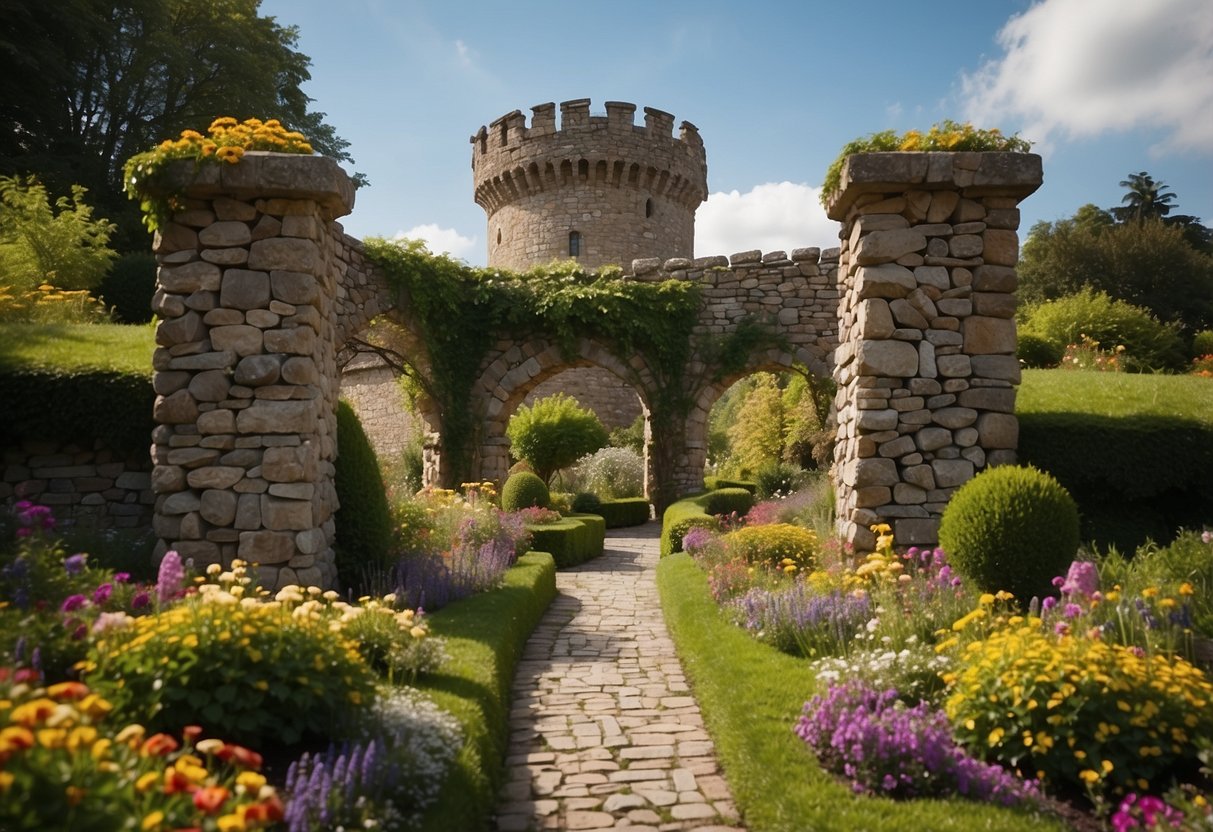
511	131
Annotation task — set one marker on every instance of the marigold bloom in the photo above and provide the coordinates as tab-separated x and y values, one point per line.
210	799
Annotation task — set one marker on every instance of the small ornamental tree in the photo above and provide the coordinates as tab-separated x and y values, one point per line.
554	433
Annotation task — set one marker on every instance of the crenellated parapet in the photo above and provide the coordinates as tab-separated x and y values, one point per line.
627	190
510	159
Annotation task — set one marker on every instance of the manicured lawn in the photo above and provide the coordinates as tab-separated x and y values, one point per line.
126	349
751	696
1116	394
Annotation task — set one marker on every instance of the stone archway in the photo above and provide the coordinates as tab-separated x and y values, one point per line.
258	288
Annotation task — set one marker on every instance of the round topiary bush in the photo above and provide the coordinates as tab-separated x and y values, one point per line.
772	544
1034	351
523	490
586	503
1011	528
729	500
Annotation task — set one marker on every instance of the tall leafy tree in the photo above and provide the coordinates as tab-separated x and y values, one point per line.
1146	199
85	84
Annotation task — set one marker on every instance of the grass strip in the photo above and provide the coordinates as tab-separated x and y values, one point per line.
1116	394
485	636
115	348
751	696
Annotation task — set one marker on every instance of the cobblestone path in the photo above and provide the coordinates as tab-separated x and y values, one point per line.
604	732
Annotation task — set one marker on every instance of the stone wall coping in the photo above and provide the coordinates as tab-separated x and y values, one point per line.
973	174
263	174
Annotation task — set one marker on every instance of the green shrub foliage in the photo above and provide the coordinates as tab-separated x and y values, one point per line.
1148	344
572	541
1035	351
83	406
1202	343
772	543
728	500
627	511
779	479
128	288
364	521
716	483
523	490
1011	528
586	503
553	433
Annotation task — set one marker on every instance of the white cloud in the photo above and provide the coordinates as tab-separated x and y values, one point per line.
463	53
771	217
440	240
1078	68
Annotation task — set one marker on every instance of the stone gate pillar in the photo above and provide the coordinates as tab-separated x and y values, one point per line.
245	377
926	366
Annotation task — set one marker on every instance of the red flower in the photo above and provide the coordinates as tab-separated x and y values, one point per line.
191	732
269	810
159	745
210	799
243	756
175	782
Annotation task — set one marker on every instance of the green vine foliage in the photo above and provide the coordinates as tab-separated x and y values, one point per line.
460	312
947	135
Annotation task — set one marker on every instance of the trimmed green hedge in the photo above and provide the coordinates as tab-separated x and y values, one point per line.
714	483
80	405
364	521
574	540
1132	476
625	511
485	636
700	510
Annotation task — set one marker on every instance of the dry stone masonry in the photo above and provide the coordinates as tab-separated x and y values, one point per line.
259	288
256	285
88	486
926	364
624	191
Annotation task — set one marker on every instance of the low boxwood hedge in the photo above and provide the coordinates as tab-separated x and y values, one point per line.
715	483
700	510
626	511
1132	476
485	636
572	541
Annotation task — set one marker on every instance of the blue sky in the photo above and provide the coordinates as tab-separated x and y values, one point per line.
1104	87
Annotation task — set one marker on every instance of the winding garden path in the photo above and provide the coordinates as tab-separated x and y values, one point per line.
604	731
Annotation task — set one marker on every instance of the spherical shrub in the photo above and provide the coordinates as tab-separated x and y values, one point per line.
1035	351
1080	710
586	503
523	490
772	544
729	500
1011	528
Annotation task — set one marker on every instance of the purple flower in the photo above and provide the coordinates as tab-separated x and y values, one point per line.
102	594
122	577
75	564
32	517
1048	603
72	603
1072	611
140	600
171	578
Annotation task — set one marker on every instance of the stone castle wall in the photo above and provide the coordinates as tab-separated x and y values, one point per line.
90	487
926	364
612	399
628	191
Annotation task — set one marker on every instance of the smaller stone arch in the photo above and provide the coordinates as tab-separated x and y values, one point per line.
514	369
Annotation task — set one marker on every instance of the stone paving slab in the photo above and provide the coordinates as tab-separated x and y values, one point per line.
604	733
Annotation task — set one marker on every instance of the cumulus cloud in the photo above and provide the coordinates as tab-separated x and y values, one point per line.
1078	68
774	216
441	240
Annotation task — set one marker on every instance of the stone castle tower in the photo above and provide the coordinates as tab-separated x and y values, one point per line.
599	189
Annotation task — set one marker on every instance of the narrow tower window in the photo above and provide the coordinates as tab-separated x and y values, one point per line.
574	244
648	208
498	236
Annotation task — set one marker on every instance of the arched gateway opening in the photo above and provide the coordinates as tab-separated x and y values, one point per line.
913	316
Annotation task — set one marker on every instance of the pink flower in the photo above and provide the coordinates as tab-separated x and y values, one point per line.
1082	579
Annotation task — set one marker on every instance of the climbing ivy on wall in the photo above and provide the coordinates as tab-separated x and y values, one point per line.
461	311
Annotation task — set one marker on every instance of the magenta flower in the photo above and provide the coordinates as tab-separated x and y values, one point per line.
75	564
72	603
140	601
102	594
1082	579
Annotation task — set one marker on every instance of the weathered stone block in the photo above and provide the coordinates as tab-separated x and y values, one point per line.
266	547
258	370
887	246
950	472
998	431
994	279
282	514
178	408
189	278
218	507
210	386
897	359
984	335
245	289
298	341
241	339
294	287
277	417
1001	367
223	234
292	254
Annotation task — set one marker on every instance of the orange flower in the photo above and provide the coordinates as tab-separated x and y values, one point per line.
158	745
176	782
210	799
68	691
243	756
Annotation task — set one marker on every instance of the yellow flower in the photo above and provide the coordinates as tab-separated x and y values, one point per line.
230	153
1088	776
232	823
152	821
1186	589
250	780
6	780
